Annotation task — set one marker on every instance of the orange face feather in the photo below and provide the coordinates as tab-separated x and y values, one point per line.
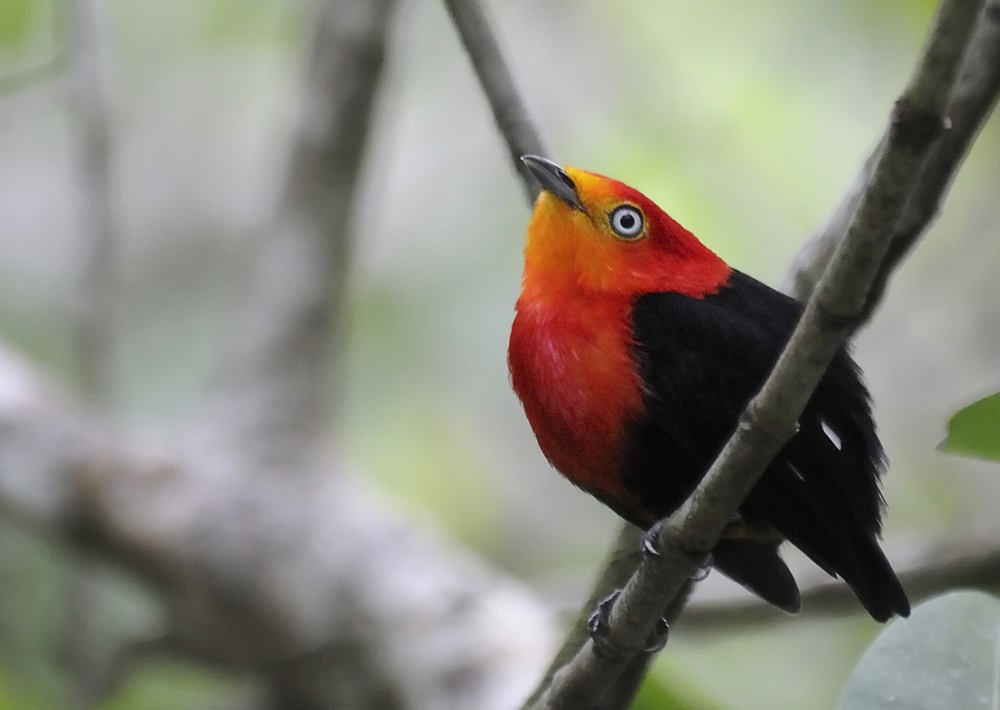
570	354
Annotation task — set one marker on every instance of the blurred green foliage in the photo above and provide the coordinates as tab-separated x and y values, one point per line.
173	685
28	42
657	693
16	17
975	430
746	121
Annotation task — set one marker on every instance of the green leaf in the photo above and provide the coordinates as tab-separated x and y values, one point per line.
975	430
946	656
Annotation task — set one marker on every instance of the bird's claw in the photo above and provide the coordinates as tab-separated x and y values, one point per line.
703	570
599	625
658	639
649	546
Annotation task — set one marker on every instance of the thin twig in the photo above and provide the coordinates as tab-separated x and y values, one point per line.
621	693
496	79
811	260
522	137
686	538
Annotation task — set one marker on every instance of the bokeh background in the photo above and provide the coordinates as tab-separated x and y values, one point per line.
745	121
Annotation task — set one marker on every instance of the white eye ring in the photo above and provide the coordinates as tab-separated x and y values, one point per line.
626	221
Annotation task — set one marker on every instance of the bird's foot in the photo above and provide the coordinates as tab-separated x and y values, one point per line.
599	626
703	570
650	548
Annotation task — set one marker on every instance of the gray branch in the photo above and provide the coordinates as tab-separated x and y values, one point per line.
308	581
271	402
837	306
495	77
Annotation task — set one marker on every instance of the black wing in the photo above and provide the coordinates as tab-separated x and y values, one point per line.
701	362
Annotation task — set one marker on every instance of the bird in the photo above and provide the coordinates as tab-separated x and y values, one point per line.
635	348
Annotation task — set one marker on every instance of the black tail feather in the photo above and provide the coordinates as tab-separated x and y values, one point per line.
874	582
758	567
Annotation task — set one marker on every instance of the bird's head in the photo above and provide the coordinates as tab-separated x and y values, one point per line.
593	233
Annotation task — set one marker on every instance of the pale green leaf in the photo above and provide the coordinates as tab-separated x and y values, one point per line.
946	656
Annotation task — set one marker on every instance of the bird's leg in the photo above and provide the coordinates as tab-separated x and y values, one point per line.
739	528
599	625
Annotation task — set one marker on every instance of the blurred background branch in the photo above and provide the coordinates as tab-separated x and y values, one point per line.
96	338
32	76
276	382
96	317
267	558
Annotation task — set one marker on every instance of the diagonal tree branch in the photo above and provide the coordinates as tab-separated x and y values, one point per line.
685	539
495	77
970	105
309	583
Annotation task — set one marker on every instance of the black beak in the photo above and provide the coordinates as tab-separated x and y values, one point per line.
554	179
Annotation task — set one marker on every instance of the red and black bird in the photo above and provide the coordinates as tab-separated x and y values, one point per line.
635	349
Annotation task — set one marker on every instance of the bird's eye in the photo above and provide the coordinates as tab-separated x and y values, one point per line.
626	221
